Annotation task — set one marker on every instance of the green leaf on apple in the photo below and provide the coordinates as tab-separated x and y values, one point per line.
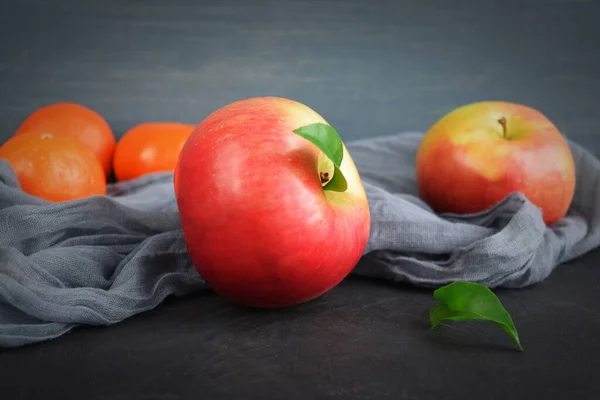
338	182
326	138
464	301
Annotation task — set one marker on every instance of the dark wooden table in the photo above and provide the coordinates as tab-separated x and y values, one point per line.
371	68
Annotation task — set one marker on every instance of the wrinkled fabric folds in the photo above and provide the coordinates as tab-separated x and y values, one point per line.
100	260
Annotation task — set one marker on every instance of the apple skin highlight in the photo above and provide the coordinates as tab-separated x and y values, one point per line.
258	225
476	155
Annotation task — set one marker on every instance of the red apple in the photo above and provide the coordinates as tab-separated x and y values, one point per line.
476	155
259	226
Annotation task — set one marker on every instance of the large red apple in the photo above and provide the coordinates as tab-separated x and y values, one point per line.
476	155
259	226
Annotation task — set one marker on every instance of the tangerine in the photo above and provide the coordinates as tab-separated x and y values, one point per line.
74	121
149	147
54	168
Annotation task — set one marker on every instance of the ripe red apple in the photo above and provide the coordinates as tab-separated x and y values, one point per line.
259	226
477	154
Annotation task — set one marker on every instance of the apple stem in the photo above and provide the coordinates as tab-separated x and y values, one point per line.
502	121
324	176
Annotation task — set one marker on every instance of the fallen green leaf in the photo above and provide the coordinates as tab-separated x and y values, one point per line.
464	301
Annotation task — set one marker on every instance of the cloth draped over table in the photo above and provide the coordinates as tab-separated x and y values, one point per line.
100	260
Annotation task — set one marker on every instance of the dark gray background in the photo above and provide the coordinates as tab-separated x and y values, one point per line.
370	67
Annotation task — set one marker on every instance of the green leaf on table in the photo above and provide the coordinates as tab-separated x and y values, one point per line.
464	301
326	138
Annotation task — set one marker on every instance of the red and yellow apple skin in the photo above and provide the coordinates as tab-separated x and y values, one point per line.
258	225
476	155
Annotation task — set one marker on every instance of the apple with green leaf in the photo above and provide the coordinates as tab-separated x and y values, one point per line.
477	154
272	207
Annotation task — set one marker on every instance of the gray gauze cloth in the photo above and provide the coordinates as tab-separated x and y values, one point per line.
100	260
